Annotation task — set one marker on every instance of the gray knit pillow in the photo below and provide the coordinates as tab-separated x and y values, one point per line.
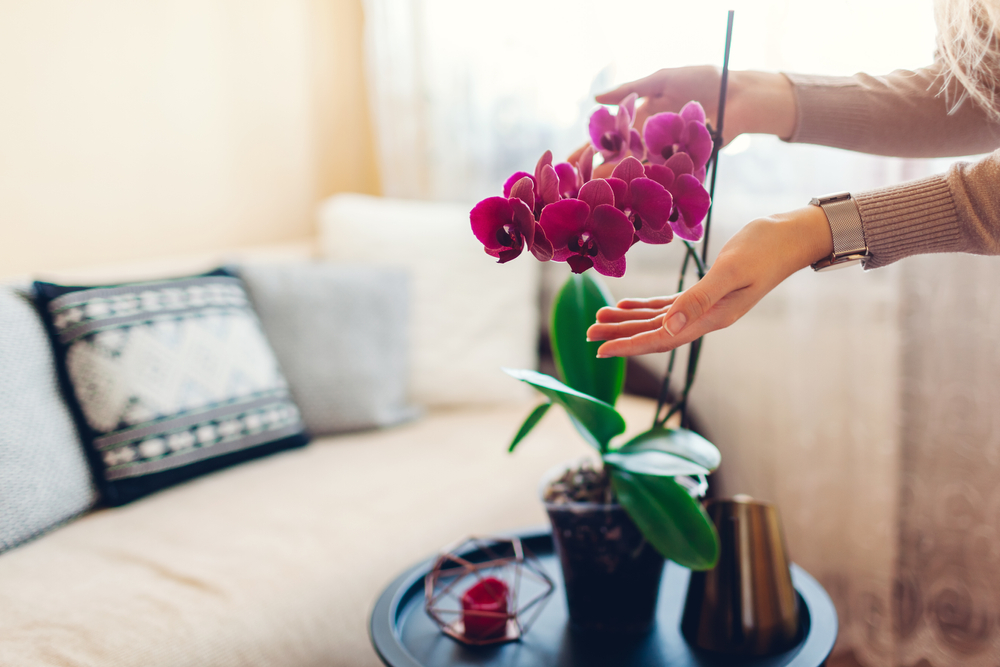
44	476
341	335
169	379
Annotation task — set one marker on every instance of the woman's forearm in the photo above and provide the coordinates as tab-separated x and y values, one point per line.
761	103
902	114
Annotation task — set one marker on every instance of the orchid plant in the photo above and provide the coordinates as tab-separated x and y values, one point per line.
563	213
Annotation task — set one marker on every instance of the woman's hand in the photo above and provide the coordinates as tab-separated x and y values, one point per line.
750	265
670	89
758	102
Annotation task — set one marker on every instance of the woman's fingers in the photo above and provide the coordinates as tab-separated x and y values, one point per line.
613	315
647	342
615	330
725	312
652	303
644	87
628	337
714	302
656	340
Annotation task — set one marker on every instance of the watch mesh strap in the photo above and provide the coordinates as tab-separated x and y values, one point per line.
845	225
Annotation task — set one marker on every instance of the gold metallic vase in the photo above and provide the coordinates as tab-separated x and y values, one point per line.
747	604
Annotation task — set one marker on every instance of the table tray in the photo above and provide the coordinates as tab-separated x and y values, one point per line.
404	636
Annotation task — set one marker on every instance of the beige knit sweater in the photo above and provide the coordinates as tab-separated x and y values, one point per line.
903	115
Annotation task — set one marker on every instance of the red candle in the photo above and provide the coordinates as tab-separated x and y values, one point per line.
487	595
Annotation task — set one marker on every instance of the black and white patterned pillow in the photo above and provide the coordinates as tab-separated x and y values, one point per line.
168	380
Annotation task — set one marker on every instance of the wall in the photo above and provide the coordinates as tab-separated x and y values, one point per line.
135	130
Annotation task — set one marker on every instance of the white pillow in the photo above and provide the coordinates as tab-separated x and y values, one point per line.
469	316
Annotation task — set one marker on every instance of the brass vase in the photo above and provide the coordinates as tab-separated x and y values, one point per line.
746	605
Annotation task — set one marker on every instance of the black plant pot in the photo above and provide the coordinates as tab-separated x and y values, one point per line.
612	573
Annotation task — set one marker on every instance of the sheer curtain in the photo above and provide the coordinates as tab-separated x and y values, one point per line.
860	402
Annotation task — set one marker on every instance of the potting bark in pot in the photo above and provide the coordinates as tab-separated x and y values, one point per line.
611	572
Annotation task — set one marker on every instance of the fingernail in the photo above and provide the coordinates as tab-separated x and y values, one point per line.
676	323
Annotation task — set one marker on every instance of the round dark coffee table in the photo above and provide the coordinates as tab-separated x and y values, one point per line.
404	636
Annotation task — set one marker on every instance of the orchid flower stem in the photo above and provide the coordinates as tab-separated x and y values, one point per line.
717	139
659	421
681	404
684	268
664	396
665	387
701	263
698	261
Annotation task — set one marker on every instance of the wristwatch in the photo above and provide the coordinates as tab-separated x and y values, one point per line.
849	246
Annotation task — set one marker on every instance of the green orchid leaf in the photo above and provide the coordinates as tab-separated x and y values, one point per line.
669	518
529	423
678	441
574	310
596	421
653	462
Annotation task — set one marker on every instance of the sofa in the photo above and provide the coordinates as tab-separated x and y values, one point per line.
279	560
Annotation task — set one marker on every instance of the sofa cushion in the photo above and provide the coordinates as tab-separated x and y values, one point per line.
168	379
470	315
44	478
340	333
279	561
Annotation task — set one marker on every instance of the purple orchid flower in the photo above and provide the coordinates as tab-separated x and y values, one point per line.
569	180
514	178
589	231
646	202
614	136
545	183
505	225
585	165
690	198
684	132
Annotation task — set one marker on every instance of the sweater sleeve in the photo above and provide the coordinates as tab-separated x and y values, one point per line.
905	114
902	114
958	211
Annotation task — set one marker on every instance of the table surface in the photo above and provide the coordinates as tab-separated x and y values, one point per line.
404	636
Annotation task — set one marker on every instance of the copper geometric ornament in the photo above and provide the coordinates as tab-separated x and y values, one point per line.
475	563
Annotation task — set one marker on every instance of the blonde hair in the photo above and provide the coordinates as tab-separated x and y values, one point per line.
969	44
